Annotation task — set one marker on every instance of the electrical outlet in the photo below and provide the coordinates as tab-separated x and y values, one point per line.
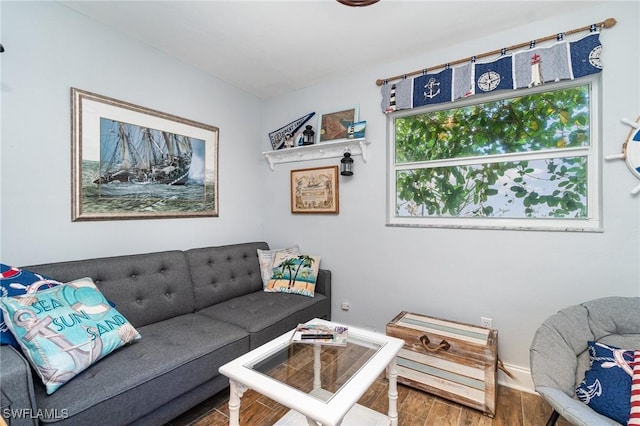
486	322
345	306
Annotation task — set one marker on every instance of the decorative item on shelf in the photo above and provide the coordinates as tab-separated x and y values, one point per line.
333	125
346	164
288	140
631	150
308	135
278	137
356	130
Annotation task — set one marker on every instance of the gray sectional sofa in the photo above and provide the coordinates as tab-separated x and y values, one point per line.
195	309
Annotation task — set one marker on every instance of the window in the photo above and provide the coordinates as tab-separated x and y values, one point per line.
500	161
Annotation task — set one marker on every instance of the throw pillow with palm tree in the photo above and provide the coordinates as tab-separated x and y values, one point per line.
294	274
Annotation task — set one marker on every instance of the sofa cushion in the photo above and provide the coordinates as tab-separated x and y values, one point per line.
15	281
294	274
222	273
65	329
146	288
173	357
268	315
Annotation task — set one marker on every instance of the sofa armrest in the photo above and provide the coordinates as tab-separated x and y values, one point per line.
17	398
323	283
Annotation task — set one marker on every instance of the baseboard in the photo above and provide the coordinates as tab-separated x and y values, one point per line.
521	378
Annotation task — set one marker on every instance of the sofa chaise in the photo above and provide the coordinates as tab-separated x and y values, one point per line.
195	310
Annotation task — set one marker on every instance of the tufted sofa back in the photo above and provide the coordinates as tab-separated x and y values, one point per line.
146	288
224	272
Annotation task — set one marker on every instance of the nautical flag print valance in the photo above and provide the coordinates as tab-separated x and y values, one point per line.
564	60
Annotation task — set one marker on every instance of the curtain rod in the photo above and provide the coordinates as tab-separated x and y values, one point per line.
607	23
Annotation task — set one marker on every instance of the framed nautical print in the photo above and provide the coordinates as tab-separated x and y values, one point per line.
132	162
315	190
334	125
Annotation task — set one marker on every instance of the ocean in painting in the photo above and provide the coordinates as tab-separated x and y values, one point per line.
196	197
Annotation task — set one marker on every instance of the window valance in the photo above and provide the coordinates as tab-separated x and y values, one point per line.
533	66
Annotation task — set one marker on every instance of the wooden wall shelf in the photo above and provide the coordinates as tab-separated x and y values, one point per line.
317	151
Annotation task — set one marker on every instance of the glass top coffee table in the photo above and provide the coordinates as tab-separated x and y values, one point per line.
320	383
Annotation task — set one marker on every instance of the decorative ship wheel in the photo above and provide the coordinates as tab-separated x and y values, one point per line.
631	150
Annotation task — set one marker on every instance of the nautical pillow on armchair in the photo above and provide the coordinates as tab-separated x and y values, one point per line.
606	387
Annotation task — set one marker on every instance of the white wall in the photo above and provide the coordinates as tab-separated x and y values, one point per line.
518	278
50	48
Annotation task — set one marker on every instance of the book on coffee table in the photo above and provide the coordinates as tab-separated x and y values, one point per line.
322	334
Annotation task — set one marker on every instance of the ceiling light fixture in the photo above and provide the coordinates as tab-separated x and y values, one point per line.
358	3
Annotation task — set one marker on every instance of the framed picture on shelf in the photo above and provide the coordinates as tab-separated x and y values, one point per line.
356	130
132	162
315	190
334	125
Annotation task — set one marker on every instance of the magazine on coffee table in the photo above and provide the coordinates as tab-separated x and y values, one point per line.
319	333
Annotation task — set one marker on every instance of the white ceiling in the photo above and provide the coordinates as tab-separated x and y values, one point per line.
269	48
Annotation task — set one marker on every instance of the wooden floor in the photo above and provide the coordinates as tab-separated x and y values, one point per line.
514	408
415	407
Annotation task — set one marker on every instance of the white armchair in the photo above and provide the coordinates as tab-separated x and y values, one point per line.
559	355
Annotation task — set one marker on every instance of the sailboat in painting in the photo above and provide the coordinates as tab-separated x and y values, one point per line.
140	155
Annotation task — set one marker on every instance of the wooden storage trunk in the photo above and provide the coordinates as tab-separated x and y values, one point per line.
449	359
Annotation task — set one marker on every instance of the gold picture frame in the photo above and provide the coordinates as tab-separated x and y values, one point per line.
315	190
132	162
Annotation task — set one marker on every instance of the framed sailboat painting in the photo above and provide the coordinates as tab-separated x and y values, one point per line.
132	162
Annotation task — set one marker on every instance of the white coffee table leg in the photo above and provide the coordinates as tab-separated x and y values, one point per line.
392	372
311	422
317	383
236	392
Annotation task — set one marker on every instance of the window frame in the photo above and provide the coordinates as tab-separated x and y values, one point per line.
593	223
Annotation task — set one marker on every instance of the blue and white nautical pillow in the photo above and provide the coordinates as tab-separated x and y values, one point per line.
606	387
65	329
15	281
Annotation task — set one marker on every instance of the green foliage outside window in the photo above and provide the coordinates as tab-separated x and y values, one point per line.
522	157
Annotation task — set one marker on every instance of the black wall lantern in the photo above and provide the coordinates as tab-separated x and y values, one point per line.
346	164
